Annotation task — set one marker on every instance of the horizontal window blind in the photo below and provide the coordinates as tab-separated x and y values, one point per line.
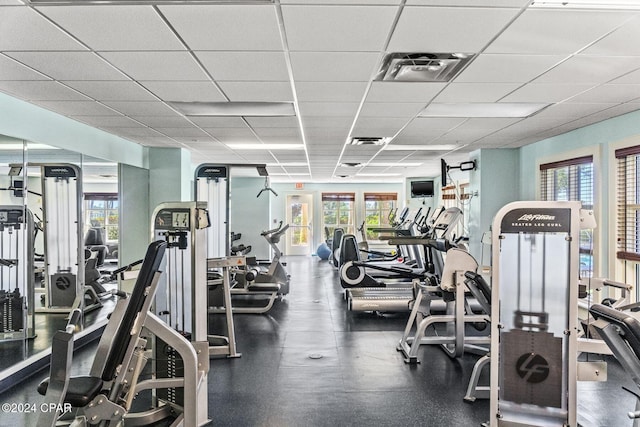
628	203
380	197
570	179
338	197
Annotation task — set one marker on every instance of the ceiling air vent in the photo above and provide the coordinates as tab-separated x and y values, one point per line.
369	140
422	67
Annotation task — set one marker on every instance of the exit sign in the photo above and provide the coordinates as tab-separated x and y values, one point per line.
299	185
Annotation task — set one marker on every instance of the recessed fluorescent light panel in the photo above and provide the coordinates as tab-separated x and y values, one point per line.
587	4
483	110
235	109
399	147
258	146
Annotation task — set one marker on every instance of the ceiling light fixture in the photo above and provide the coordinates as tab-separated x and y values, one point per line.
234	109
400	147
483	110
258	146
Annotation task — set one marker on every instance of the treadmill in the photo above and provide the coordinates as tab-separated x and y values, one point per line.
397	297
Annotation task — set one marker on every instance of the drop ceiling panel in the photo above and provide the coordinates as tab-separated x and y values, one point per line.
111	90
378	126
226	27
21	28
507	68
204	91
337	2
430	29
617	43
69	65
229	139
112	27
475	92
387	109
572	110
427	125
611	93
272	122
555	31
251	66
339	123
156	65
629	78
391	156
222	122
12	70
423	139
328	109
334	66
144	108
132	132
257	91
330	91
39	90
337	28
182	132
360	153
78	108
546	92
222	133
163	121
153	141
107	121
474	3
590	69
277	132
389	91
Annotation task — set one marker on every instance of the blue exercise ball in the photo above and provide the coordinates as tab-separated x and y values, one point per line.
323	251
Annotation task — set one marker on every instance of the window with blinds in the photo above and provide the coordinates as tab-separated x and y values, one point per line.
570	180
338	211
377	209
628	203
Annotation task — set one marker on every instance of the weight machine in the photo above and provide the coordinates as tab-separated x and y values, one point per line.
183	291
17	316
534	319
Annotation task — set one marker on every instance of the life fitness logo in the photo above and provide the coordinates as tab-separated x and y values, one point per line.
532	368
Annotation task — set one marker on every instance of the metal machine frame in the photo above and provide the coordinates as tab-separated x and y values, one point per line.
17	271
183	290
535	254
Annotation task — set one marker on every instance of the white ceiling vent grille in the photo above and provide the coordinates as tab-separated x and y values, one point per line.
369	140
422	67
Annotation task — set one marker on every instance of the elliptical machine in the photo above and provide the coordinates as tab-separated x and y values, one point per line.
275	273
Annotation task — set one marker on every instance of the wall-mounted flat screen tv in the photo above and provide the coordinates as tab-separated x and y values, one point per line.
422	188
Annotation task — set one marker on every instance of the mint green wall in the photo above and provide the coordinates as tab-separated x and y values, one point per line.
494	183
170	176
249	215
283	189
22	120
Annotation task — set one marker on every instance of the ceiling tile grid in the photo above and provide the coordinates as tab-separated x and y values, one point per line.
116	67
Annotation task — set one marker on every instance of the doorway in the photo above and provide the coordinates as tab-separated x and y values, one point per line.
299	217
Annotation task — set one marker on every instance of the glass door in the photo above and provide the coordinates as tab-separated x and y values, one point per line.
299	217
